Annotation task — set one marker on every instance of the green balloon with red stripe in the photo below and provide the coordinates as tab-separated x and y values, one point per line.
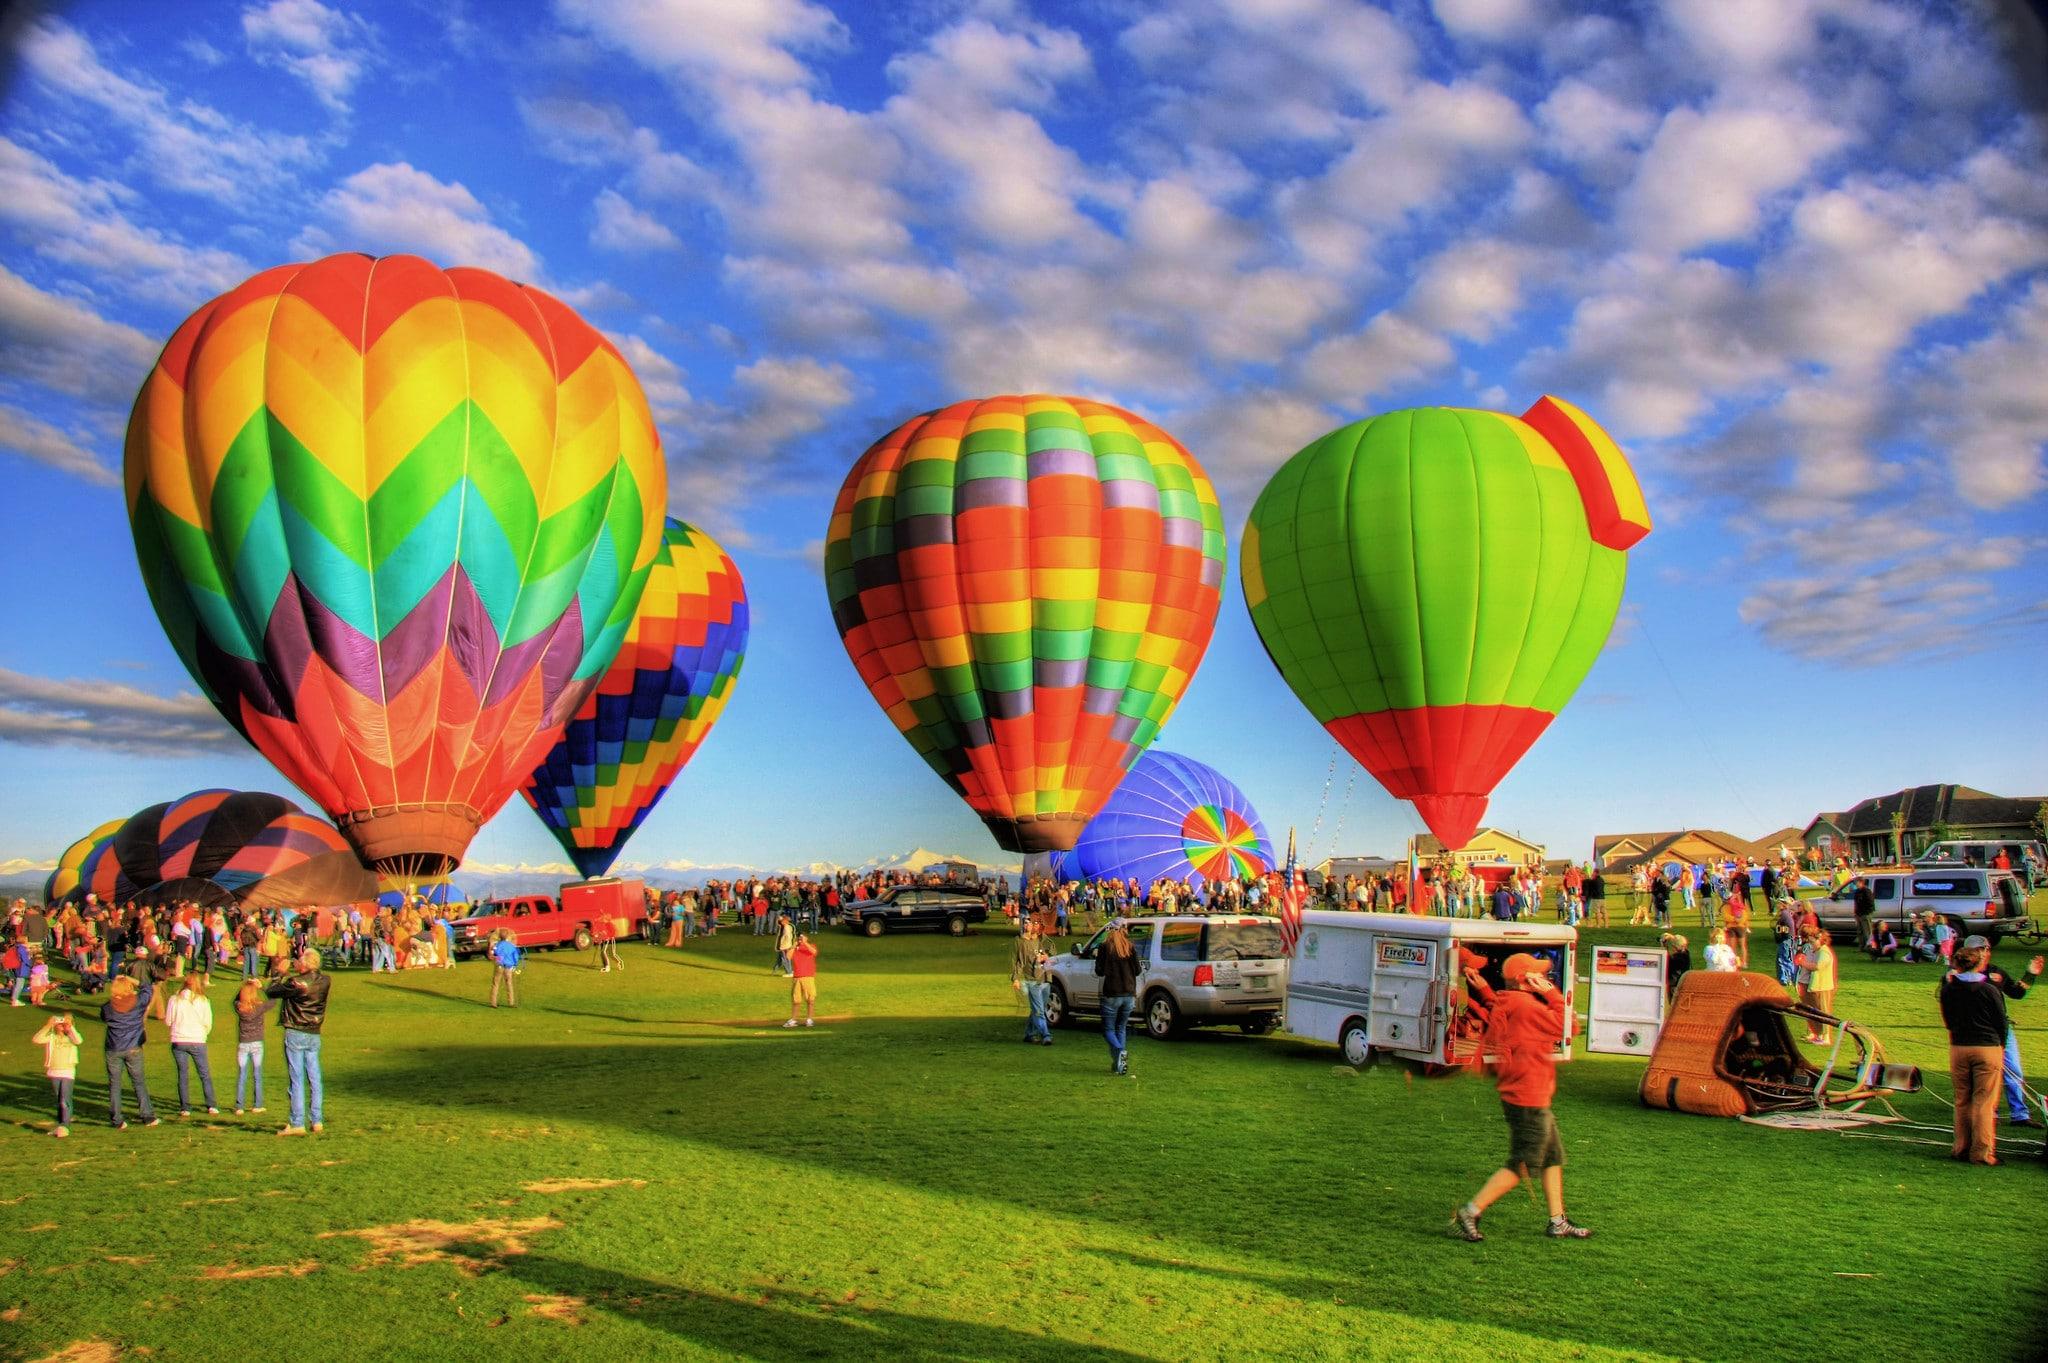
1435	583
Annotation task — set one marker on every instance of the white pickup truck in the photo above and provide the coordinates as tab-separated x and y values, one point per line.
1969	898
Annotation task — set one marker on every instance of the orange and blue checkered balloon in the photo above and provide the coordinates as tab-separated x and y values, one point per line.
652	708
1027	584
395	520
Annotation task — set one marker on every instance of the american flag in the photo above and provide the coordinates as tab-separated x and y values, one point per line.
1289	894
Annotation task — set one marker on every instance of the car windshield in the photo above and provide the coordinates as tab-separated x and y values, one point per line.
1245	942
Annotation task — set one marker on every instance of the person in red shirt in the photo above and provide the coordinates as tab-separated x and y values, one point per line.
803	983
1528	1021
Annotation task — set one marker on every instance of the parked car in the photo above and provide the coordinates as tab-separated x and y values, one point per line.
1193	972
1969	898
540	920
1981	852
916	906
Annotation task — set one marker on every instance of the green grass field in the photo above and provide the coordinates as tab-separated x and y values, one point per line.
644	1164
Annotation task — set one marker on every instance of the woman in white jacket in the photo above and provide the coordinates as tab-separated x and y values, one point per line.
190	1015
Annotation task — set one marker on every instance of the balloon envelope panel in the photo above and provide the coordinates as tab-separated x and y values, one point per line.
1027	584
1172	818
654	706
65	879
220	846
395	521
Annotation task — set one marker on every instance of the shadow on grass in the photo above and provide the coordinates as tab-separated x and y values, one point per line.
783	1324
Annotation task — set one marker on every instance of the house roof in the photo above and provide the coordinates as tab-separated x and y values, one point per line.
1428	845
1656	845
1788	837
1925	806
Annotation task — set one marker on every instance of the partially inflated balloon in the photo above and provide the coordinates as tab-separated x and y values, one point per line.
395	520
222	846
652	708
1435	584
1172	818
64	880
1027	584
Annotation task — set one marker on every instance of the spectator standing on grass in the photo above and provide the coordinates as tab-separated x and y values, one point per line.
1596	897
785	942
303	1011
60	1041
250	1008
1677	960
1720	956
2015	1078
1815	963
126	1012
606	935
1785	928
1973	1012
1866	908
1527	1022
1117	964
803	981
1660	899
190	1018
504	967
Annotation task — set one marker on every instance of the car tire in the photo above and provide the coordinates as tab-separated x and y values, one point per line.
1162	1016
583	939
1057	1014
1356	1043
873	926
957	925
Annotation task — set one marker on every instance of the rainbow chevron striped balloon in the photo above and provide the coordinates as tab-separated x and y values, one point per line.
395	520
654	705
1027	584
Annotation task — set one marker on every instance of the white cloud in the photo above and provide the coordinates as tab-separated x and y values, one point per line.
1744	36
1489	20
33	438
720	455
578	132
61	344
1708	172
802	153
325	48
1472	287
184	145
1871	616
1389	351
750	41
1987	407
661	378
1591	127
622	227
84	223
395	207
47	712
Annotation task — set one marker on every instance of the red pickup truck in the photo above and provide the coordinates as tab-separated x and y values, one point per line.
539	920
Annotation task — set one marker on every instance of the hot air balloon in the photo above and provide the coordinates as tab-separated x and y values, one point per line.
64	879
395	520
1172	818
652	708
1434	584
1027	584
221	847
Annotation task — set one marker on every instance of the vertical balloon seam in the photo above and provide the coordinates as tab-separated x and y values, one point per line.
1352	547
1485	715
458	571
362	344
1085	751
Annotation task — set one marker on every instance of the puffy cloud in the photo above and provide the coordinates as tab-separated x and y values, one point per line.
323	47
396	207
1389	351
85	223
182	144
661	378
579	132
1489	20
622	227
721	455
1472	287
1876	614
1988	407
63	345
753	41
33	438
76	712
1593	128
1744	36
1708	172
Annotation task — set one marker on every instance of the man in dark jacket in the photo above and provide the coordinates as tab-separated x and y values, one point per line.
303	1011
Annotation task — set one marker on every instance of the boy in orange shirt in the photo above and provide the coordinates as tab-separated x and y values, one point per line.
1528	1022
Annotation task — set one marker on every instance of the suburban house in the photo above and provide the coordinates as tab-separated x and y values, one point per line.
1866	828
1621	853
1488	844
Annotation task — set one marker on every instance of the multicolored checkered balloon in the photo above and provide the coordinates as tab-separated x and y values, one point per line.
395	520
1027	585
653	706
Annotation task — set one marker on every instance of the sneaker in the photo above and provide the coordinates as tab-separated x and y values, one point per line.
183	1113
154	1121
213	1112
292	1131
1562	1229
317	1128
61	1132
120	1126
255	1109
1465	1225
238	1112
810	1022
789	1024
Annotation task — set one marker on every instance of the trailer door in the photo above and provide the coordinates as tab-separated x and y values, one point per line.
1627	1008
1404	994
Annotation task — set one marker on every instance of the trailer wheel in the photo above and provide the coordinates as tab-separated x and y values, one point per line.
1356	1044
873	925
583	938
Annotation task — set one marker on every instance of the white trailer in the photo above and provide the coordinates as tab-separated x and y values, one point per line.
1393	983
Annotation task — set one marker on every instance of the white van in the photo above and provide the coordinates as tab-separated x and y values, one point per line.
1392	983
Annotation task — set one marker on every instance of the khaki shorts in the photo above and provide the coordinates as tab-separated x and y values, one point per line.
1533	1142
804	989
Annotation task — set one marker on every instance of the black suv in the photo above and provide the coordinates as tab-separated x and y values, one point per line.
916	906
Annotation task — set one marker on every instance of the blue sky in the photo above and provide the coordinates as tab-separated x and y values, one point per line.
1794	253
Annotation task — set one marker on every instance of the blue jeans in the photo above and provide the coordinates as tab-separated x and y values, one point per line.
191	1055
1037	992
383	956
62	1083
20	984
302	1072
1116	1016
251	959
2015	1081
130	1063
249	1071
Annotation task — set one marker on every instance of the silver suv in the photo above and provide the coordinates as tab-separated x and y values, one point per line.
1968	898
1193	972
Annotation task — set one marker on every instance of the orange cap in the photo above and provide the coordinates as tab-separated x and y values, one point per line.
1522	964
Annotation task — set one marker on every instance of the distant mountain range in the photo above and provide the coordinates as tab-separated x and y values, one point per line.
21	876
